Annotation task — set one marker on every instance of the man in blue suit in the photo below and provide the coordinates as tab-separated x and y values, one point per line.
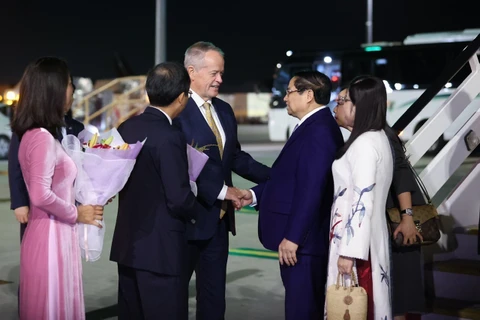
19	200
156	205
294	204
209	121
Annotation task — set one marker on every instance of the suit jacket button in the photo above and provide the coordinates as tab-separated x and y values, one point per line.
193	221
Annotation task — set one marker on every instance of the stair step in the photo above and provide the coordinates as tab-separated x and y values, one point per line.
471	230
436	316
467	246
453	308
459	243
454	279
458	266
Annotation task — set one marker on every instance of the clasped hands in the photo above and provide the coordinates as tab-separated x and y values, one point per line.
240	198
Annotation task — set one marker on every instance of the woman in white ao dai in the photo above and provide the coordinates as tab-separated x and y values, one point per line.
362	175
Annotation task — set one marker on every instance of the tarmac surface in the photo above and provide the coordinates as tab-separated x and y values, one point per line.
254	287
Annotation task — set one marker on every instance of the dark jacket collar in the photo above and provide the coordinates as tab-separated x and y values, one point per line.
156	113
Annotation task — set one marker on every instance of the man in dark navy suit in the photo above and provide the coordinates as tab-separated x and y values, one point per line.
156	205
209	121
19	200
294	205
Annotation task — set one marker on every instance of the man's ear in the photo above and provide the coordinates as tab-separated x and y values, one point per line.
181	97
190	70
310	95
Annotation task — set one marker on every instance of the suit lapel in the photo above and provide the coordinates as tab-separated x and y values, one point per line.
222	116
201	128
299	131
69	126
198	119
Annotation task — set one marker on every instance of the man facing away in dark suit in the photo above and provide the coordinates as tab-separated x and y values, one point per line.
19	200
156	205
209	121
294	204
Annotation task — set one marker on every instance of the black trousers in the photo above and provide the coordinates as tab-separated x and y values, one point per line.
23	226
147	295
208	258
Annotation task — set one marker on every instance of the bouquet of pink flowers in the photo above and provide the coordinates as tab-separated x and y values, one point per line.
104	163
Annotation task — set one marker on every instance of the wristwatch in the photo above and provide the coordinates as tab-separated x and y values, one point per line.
407	211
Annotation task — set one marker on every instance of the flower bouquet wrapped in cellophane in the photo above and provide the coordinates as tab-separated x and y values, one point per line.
104	163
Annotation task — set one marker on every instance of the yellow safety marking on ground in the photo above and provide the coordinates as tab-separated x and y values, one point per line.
3	173
255	253
248	210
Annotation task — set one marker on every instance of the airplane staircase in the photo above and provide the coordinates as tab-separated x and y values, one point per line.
112	103
452	266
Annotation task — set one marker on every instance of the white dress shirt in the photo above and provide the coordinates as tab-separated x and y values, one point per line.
64	132
308	115
166	115
305	117
199	101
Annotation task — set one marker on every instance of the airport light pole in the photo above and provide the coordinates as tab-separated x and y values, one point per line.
160	31
369	22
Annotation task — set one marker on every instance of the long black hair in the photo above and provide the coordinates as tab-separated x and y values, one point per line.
69	114
369	96
42	93
389	131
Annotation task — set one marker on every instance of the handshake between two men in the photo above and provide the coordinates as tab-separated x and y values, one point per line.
240	198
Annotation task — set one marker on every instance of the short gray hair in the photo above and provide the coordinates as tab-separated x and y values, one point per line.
196	53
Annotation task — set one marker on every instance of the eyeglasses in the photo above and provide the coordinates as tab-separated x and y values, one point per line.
189	93
288	91
341	100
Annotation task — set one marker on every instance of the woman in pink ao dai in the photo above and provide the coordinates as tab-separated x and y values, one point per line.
50	265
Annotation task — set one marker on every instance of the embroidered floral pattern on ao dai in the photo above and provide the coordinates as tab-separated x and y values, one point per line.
358	227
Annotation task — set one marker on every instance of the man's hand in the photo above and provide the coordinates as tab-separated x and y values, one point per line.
287	252
345	265
408	229
246	198
21	214
234	195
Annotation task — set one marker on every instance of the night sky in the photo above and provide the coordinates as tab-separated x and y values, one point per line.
254	34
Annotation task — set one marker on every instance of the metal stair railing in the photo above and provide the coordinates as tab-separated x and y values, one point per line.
456	150
119	108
